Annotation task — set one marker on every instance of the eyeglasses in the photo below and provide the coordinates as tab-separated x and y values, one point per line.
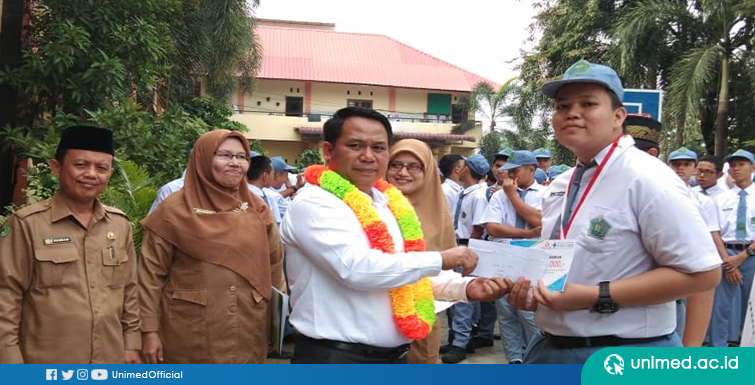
227	156
706	172
413	168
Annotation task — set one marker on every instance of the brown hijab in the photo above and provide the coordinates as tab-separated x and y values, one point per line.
208	222
428	201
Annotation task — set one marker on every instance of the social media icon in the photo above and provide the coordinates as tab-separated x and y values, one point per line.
99	374
82	374
67	374
51	375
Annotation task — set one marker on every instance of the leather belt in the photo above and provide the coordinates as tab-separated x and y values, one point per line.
364	350
737	246
561	342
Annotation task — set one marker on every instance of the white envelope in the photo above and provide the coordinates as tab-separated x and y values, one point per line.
502	260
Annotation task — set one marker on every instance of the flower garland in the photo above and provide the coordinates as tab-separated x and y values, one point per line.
413	308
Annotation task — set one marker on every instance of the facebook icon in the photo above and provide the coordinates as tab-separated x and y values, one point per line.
52	375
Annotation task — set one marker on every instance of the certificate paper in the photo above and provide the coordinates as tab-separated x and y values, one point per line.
560	256
548	260
503	260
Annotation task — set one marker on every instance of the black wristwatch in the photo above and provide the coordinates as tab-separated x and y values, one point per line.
750	251
605	304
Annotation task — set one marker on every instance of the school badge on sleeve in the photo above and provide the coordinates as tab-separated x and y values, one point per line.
599	228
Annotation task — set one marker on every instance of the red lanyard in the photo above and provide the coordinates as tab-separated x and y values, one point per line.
564	231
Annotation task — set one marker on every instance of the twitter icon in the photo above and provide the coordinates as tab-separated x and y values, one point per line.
67	374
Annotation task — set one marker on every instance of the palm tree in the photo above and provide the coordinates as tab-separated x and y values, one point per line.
707	37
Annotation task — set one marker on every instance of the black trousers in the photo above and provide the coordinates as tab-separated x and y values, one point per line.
311	351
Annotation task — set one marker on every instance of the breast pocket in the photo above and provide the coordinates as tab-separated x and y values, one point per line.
187	306
604	228
56	267
114	267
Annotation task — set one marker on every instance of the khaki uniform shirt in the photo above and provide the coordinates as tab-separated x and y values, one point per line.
205	313
68	293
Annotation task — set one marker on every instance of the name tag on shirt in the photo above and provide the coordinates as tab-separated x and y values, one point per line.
56	240
558	193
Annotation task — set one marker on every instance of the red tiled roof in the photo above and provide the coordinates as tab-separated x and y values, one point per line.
340	57
401	135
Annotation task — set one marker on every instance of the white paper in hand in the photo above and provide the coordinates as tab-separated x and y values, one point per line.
560	256
502	260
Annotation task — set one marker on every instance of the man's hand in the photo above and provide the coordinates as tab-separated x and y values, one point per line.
534	232
734	277
521	294
132	357
152	348
573	297
486	289
509	186
459	257
733	262
300	181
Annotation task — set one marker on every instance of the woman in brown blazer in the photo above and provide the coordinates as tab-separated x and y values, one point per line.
210	256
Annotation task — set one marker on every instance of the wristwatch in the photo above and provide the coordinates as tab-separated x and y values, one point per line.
605	304
750	251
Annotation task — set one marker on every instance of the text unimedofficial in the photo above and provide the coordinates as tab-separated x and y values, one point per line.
147	374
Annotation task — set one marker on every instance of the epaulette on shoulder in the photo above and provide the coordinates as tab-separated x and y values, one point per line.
33	209
114	210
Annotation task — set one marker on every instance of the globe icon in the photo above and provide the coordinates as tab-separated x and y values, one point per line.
614	364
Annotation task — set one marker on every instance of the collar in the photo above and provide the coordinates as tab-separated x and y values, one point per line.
378	199
59	209
453	184
475	187
256	190
625	142
750	189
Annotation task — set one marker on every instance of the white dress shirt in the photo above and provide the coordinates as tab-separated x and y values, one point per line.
451	190
713	192
653	223
473	205
339	285
501	210
708	210
165	191
271	198
727	212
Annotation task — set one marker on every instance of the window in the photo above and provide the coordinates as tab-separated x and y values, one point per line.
294	105
439	104
359	103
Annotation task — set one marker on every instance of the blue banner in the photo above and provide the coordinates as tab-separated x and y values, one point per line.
288	374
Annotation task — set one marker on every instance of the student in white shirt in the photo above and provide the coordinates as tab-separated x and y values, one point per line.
514	212
260	176
640	243
709	170
450	166
340	285
737	217
693	317
468	211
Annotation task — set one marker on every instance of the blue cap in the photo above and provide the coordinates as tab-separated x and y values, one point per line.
683	153
586	72
518	159
540	176
741	154
280	165
554	171
542	152
507	152
254	154
478	164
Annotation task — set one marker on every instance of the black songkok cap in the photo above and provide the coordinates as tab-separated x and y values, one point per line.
90	138
643	128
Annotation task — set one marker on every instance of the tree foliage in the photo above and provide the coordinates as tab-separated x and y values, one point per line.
699	52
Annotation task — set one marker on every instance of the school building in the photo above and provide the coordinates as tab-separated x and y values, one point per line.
309	71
